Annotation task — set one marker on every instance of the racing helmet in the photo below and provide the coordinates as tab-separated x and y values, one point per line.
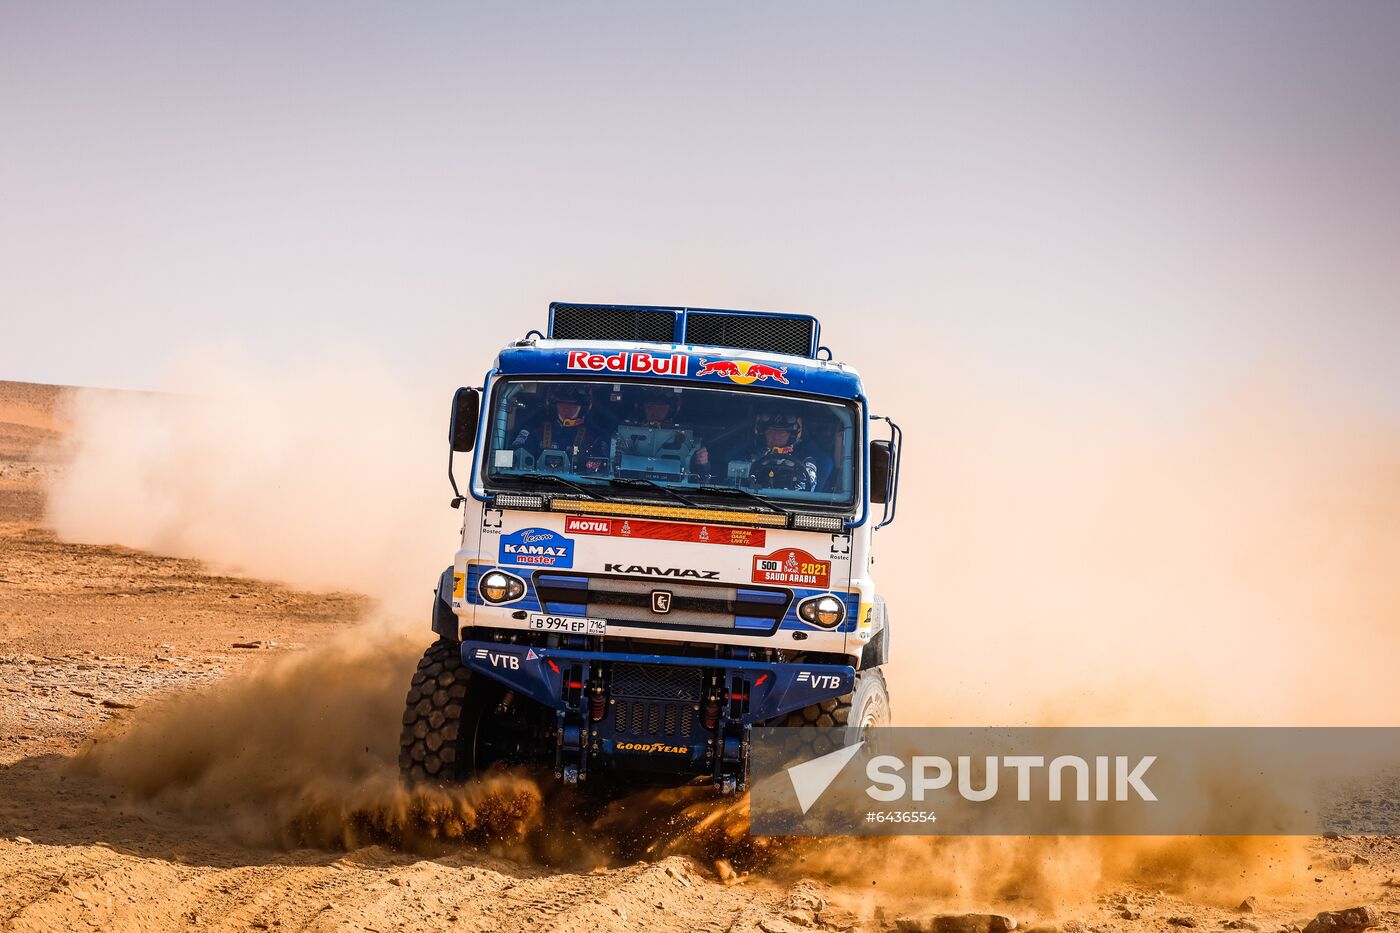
786	421
570	395
655	395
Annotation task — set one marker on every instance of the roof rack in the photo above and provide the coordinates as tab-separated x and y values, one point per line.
791	334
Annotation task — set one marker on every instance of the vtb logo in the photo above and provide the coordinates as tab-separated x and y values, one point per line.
499	659
819	680
660	601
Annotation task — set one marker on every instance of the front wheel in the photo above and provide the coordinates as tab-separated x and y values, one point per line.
431	747
456	725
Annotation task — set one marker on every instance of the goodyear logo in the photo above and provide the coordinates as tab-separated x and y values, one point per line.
743	371
537	547
650	747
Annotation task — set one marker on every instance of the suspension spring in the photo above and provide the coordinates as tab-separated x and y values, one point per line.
709	716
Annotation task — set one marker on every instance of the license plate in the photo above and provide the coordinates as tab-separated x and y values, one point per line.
568	625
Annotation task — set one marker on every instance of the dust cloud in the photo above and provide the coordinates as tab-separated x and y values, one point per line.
303	751
330	477
1231	560
1096	563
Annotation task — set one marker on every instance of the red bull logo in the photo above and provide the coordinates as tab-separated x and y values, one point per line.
674	364
743	372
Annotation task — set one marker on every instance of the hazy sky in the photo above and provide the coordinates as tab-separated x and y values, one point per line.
1097	195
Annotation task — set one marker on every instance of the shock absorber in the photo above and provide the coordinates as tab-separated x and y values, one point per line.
709	715
597	704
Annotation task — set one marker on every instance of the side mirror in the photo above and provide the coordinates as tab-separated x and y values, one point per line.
466	410
881	459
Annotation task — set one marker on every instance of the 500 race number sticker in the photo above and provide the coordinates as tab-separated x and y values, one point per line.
792	567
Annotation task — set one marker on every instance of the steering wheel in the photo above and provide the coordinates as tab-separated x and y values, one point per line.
778	471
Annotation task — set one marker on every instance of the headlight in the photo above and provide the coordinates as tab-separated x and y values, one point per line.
497	586
825	610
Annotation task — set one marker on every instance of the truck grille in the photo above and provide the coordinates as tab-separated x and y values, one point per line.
655	700
657	682
652	719
695	606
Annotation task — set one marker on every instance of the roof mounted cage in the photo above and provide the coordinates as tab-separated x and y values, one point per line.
792	334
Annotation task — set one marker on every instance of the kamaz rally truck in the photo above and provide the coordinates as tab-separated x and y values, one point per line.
666	541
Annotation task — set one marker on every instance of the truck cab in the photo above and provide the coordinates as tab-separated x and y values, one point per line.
666	540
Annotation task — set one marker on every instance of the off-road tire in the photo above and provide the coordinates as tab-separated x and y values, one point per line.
431	746
867	705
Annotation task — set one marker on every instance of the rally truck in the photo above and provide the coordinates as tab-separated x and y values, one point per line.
666	541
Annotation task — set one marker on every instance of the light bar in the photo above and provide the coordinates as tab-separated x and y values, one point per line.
667	511
831	523
512	501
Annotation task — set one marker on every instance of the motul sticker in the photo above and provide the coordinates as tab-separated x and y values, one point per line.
792	567
665	531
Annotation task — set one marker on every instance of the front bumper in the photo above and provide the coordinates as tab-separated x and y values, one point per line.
667	715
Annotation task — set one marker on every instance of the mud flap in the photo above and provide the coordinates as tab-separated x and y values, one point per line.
444	619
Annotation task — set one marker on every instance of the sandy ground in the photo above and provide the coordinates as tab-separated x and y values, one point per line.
93	637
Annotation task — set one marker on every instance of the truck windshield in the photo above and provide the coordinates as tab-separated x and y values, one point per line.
785	448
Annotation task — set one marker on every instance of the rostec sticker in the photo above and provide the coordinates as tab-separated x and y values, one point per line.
674	364
665	531
743	372
537	547
792	567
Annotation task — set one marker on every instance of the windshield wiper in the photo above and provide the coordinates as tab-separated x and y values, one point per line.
743	493
640	481
552	478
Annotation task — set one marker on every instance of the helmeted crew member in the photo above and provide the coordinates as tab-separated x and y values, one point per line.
658	409
778	462
565	428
